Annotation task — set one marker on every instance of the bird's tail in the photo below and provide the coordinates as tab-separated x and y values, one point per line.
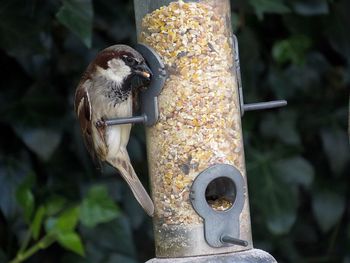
122	163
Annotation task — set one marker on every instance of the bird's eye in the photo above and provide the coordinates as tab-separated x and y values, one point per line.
129	60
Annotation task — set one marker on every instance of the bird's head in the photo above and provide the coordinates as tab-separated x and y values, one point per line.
124	66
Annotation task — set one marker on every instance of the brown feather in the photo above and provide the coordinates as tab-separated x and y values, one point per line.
83	110
122	163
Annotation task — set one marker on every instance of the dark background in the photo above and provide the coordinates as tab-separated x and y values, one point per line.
51	195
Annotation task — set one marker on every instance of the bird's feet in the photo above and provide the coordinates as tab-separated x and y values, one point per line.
101	123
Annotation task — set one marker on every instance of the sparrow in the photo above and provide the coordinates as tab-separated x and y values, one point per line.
105	91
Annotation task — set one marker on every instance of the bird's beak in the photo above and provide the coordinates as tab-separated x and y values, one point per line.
143	71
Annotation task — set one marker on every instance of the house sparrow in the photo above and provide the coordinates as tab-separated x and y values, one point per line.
105	92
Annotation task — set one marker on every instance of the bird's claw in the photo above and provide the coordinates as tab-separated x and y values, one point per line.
101	123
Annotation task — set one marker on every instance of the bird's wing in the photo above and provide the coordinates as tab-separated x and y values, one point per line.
122	163
83	109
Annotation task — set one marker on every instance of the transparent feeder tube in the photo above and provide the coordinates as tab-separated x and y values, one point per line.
200	120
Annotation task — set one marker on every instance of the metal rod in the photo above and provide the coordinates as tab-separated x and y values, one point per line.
135	119
235	241
264	105
238	74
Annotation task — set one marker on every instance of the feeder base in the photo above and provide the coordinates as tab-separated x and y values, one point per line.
247	256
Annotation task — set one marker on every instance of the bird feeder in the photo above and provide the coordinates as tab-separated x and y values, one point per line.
193	112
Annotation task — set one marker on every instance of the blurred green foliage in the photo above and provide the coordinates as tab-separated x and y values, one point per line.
55	206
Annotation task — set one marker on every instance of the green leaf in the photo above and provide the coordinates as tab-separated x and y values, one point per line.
50	224
269	6
11	176
42	141
37	222
292	49
77	16
105	236
328	207
25	197
336	147
282	201
66	222
310	7
275	199
281	126
295	81
71	241
97	207
54	205
295	170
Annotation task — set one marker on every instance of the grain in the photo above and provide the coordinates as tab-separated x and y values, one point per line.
199	123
